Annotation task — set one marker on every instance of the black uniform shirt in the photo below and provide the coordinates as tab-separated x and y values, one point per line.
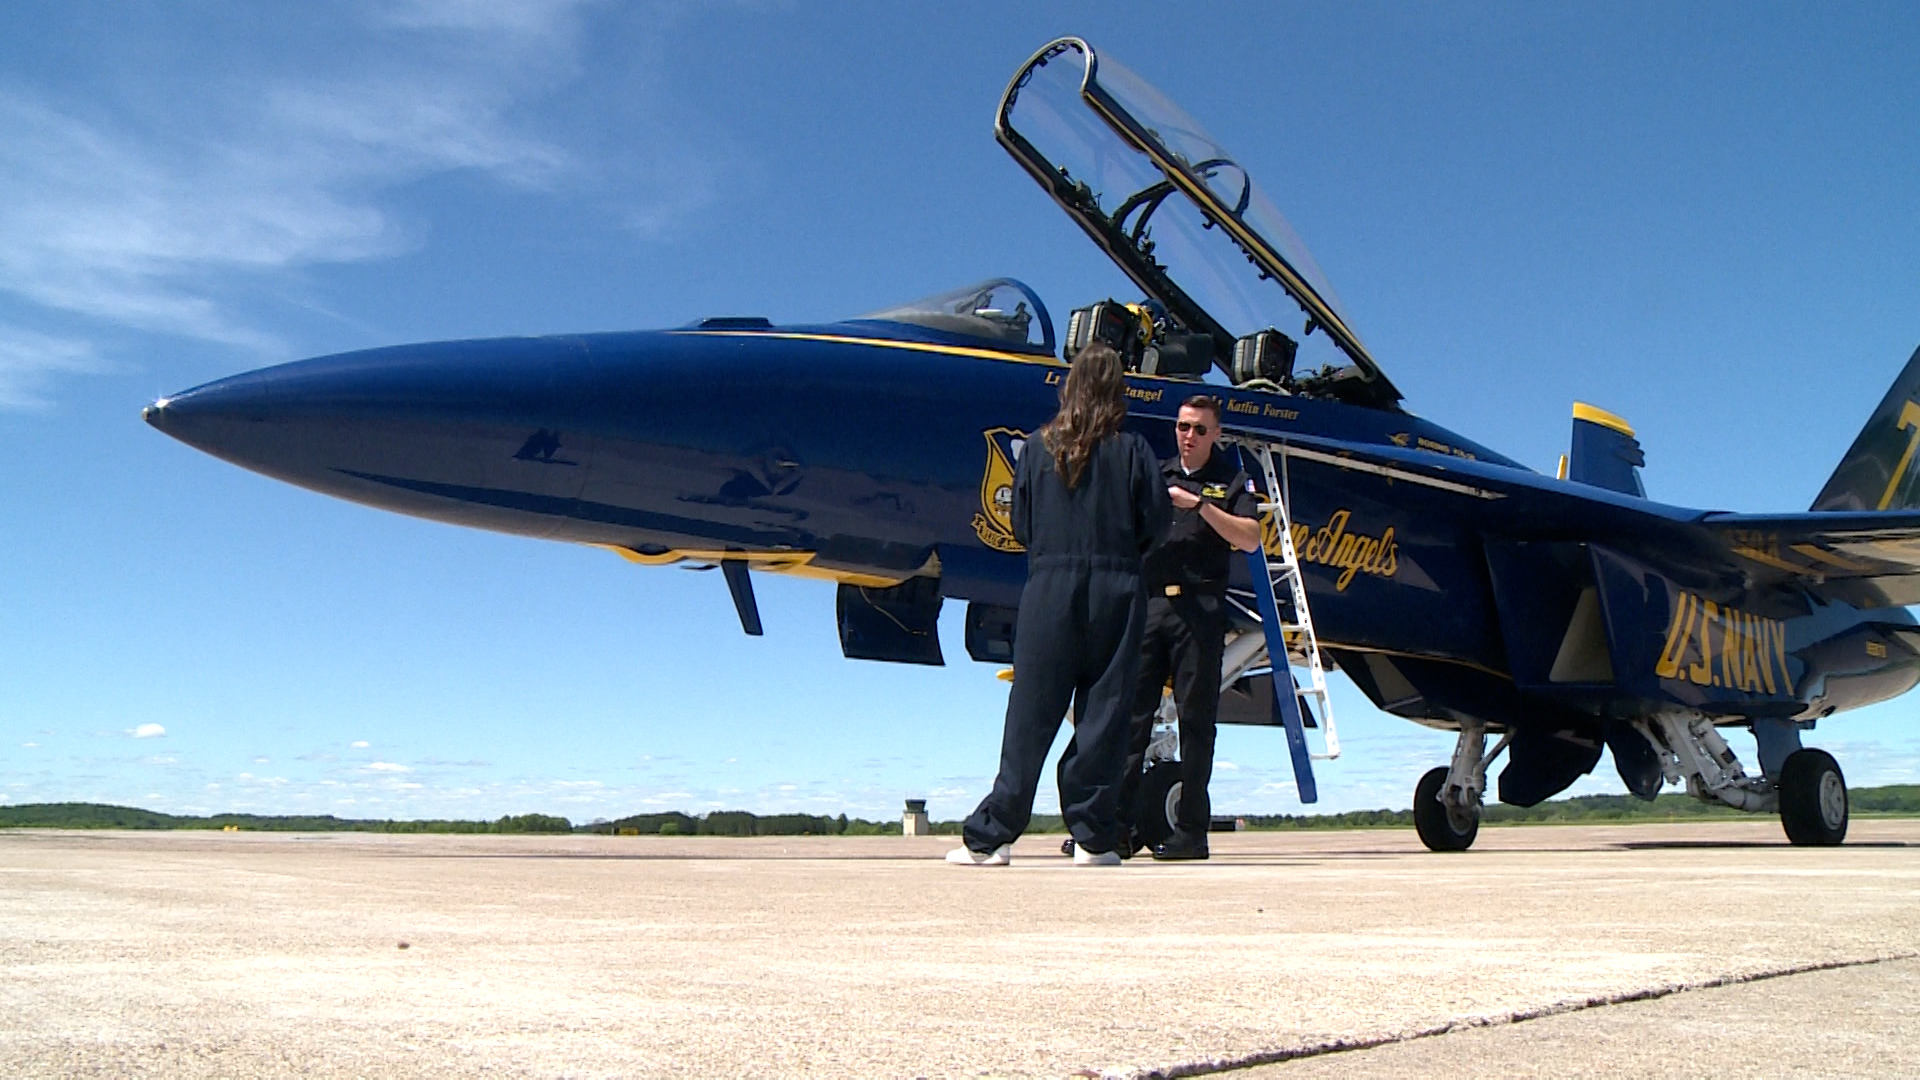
1119	508
1192	555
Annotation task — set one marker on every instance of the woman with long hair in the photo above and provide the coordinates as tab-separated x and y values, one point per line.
1088	501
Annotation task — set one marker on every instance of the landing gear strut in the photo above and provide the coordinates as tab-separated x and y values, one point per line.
1446	803
1804	785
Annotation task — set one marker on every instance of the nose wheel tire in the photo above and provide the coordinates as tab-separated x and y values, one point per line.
1813	799
1155	804
1442	827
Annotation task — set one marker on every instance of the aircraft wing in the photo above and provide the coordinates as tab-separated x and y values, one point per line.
1867	559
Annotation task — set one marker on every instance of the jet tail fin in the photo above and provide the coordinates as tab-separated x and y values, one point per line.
1878	472
1604	452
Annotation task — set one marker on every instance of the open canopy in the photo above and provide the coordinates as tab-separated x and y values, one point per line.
1178	213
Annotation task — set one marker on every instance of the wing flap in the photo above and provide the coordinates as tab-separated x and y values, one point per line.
1865	559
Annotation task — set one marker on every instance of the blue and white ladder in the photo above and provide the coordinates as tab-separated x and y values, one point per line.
1292	648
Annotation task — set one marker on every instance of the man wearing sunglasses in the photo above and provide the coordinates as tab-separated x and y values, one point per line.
1214	513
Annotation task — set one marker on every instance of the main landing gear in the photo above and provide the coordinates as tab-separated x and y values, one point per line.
1813	799
1805	786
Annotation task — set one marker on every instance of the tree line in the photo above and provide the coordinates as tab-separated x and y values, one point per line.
99	816
1893	800
741	823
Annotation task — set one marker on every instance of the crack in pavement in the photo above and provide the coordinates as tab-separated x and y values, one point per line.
1518	1016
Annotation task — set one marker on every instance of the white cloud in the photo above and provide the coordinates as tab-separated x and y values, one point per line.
28	361
156	219
148	731
360	745
387	766
30	745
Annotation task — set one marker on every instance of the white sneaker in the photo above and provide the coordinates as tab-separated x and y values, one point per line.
966	856
1083	857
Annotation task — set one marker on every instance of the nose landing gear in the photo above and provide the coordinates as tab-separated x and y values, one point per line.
1446	803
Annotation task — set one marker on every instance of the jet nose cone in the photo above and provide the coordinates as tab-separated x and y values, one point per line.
215	417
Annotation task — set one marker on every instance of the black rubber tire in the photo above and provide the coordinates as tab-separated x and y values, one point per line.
1813	799
1154	802
1436	827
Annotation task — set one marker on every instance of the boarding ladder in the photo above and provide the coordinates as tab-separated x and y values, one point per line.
1286	620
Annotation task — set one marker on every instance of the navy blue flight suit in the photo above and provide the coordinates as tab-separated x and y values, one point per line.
1077	638
1186	633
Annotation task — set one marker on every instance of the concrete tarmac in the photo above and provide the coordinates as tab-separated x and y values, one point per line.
1645	950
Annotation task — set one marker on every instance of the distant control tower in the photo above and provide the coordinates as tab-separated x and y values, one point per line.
914	821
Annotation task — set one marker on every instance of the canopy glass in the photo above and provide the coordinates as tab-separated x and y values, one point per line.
1169	204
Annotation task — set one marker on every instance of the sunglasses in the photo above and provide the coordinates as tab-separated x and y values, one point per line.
1184	426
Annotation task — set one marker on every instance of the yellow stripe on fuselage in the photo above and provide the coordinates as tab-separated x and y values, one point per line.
882	343
794	563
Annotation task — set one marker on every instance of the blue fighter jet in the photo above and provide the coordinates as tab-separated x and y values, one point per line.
1568	616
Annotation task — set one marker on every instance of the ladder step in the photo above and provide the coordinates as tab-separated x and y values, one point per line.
1291	642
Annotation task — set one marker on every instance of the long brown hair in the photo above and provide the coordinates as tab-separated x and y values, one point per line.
1093	405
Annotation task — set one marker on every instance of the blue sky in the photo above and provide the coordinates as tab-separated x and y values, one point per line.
1702	217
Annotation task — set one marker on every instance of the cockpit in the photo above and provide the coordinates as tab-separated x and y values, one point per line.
1000	312
1221	268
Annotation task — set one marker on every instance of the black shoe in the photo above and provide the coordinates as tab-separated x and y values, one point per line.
1180	848
1066	847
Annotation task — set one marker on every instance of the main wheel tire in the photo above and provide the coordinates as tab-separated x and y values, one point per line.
1441	828
1813	799
1156	802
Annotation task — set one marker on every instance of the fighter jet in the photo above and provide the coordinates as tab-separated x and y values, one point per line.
1566	616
